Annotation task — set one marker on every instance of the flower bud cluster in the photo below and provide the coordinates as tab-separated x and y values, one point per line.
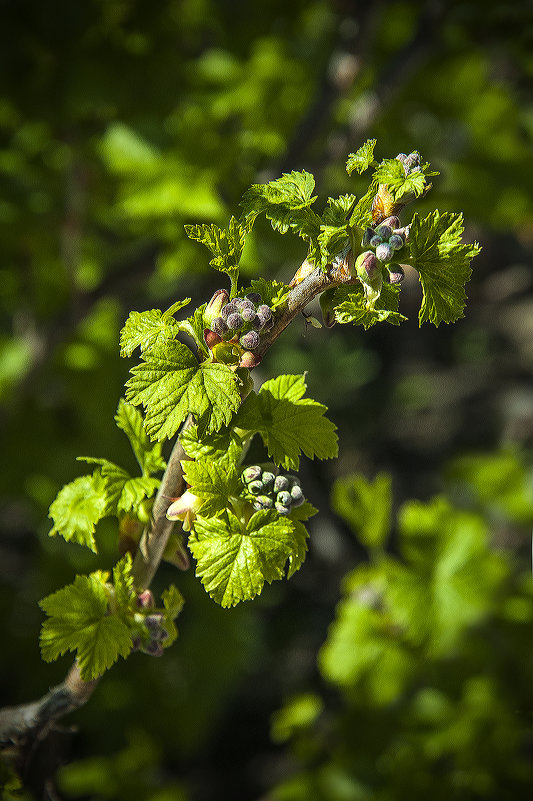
152	633
411	162
245	318
385	240
270	491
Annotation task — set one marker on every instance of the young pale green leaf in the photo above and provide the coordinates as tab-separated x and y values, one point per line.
148	328
362	213
125	596
224	446
213	482
79	621
362	158
173	604
226	245
273	293
171	384
366	506
288	423
77	509
134	492
334	230
234	562
443	264
351	306
148	454
113	479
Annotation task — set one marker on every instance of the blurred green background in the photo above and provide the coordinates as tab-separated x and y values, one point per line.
121	120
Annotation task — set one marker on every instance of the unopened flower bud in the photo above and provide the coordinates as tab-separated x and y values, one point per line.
145	600
229	308
153	648
384	253
254	297
264	312
284	498
294	480
219	326
327	305
392	222
252	473
263	502
367	265
153	622
255	487
268	479
281	483
250	340
396	242
297	495
281	509
375	240
401	157
235	321
248	313
214	307
412	161
384	231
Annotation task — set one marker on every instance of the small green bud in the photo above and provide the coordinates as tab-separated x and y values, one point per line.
281	509
396	242
375	241
252	473
145	600
284	498
268	479
384	231
281	483
229	308
263	502
367	266
214	307
297	495
255	487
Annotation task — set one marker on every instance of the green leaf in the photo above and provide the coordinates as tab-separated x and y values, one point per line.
173	604
148	454
171	384
213	482
362	158
125	596
148	328
351	306
401	186
443	264
226	245
234	562
288	423
286	203
134	492
297	557
113	479
366	506
77	509
223	446
79	621
334	231
194	327
273	293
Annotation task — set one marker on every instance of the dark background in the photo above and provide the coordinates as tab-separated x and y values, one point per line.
120	121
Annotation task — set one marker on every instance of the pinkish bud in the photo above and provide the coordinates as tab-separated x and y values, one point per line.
249	359
367	265
145	600
211	338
